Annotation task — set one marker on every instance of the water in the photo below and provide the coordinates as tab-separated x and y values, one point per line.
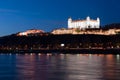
59	67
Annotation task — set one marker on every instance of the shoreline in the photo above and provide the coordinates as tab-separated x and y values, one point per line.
64	51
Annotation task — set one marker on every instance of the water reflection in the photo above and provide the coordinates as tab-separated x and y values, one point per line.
59	66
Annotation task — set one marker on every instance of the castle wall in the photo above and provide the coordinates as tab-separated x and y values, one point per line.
83	24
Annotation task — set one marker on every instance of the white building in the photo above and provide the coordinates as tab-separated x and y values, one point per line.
83	24
31	31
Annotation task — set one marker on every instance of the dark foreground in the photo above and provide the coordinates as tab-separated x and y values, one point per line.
56	43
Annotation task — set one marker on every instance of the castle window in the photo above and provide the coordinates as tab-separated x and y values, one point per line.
89	26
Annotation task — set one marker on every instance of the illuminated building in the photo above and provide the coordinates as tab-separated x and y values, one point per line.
30	32
84	24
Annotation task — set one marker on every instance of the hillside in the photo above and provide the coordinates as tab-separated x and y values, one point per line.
55	41
66	41
112	26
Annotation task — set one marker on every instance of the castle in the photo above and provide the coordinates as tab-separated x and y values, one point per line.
84	24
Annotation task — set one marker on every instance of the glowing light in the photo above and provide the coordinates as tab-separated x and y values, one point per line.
31	54
90	55
78	55
61	54
62	45
49	54
39	54
118	56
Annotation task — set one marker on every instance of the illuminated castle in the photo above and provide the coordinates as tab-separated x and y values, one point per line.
84	24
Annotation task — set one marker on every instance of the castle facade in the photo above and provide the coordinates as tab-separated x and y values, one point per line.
84	24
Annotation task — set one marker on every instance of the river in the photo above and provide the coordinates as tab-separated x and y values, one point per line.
59	66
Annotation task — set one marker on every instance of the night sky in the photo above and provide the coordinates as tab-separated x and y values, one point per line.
21	15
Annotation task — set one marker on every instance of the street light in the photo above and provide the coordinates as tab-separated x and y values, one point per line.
62	45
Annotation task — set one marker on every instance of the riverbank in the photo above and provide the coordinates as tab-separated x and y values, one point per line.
73	51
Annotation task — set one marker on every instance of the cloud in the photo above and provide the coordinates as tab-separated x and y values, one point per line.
8	11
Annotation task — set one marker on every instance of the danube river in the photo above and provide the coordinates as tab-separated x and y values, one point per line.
59	66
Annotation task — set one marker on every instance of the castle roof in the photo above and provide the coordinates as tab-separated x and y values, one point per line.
83	20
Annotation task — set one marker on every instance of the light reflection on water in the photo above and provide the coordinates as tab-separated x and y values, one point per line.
59	66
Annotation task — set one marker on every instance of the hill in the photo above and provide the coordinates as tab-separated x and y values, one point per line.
48	41
112	26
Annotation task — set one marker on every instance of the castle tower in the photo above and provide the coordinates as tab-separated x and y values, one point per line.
98	21
69	22
88	18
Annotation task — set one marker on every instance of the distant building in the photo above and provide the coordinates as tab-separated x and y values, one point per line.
31	32
84	24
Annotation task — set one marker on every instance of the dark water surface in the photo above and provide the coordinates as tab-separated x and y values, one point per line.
59	67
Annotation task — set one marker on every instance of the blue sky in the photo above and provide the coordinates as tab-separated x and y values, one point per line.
20	15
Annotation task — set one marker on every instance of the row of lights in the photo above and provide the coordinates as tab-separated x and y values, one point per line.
49	54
